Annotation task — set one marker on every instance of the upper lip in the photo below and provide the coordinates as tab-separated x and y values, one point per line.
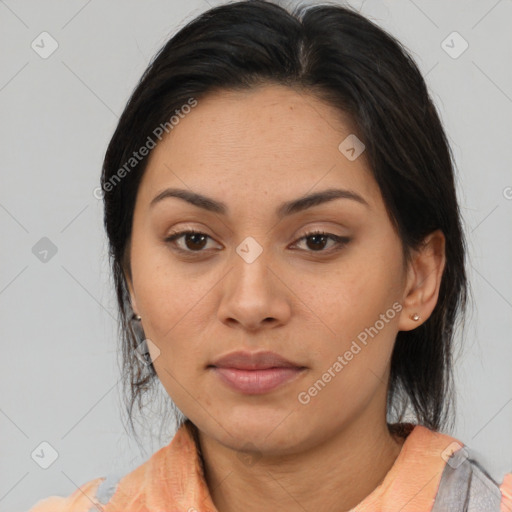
253	361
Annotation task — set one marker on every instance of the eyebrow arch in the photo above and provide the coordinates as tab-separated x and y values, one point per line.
285	209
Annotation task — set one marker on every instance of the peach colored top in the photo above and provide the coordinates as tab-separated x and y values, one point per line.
172	480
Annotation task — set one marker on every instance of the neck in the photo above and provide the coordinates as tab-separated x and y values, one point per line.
332	477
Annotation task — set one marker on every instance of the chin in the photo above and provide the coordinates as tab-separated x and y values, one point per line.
262	429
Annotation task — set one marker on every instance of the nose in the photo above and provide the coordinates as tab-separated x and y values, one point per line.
254	295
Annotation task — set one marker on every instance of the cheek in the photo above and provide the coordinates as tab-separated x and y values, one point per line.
163	293
349	365
352	298
357	305
174	300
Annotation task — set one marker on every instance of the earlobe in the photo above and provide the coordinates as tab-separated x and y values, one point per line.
423	281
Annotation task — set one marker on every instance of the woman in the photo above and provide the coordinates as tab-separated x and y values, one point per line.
289	263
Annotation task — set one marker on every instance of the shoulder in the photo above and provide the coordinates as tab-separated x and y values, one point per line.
466	485
81	500
87	498
506	493
95	494
439	473
126	489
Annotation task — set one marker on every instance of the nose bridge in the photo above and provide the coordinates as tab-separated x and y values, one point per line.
251	260
251	292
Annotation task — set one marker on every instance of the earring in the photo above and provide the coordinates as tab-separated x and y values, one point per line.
415	317
136	317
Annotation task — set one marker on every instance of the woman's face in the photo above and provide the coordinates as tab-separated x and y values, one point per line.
255	282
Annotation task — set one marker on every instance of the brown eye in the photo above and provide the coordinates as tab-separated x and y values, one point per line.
316	241
194	241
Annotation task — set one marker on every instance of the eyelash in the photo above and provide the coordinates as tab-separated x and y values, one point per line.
340	241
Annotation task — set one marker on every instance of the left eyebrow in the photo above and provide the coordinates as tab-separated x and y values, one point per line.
285	209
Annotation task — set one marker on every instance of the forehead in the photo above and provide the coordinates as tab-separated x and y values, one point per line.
272	140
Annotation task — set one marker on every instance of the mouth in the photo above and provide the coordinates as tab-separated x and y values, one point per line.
255	373
257	382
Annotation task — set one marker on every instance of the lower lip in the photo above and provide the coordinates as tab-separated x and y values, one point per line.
256	382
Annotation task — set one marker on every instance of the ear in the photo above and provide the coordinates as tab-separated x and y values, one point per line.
423	281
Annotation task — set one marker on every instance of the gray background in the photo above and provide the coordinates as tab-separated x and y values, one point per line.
59	371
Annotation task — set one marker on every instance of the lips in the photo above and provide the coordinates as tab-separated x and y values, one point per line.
241	360
255	373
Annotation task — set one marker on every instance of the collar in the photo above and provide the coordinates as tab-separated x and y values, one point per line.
173	478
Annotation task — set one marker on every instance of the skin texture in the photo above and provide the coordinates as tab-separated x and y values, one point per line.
254	150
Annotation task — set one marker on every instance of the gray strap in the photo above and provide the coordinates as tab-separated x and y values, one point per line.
107	488
466	486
